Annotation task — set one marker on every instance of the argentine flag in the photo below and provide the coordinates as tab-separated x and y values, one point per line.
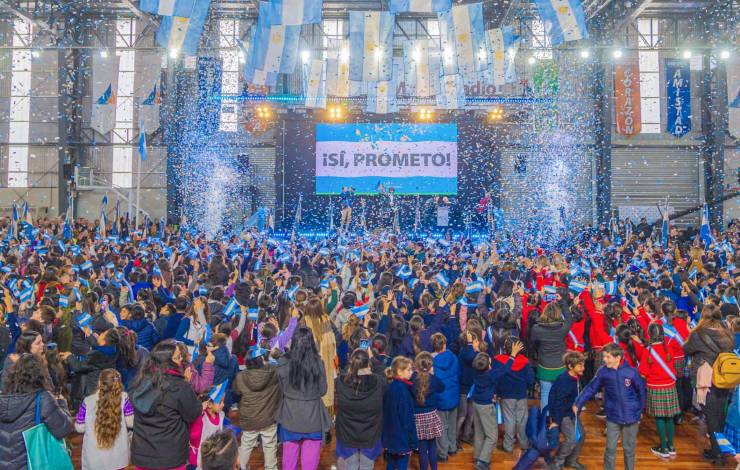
564	19
452	93
142	143
273	50
293	12
420	6
337	71
361	310
167	7
705	232
442	280
665	235
466	35
473	287
231	308
315	83
371	45
421	68
404	272
381	98
218	392
576	286
499	41
182	33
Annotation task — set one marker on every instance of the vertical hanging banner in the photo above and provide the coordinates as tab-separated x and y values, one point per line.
420	6
182	32
273	50
315	84
337	71
627	97
733	98
499	41
381	96
452	93
420	68
209	84
565	20
464	24
294	12
678	96
104	89
148	93
371	45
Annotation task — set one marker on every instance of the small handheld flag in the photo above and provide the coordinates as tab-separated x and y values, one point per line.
253	314
499	413
231	308
442	280
361	310
63	301
576	286
84	320
473	287
218	392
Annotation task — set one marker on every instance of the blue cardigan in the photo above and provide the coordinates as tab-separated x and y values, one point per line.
399	424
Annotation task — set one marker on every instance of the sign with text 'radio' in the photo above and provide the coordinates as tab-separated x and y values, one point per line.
372	158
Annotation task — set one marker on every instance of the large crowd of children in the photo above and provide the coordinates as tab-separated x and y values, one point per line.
169	351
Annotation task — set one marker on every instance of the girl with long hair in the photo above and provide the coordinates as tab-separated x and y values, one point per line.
302	417
428	423
359	413
399	425
104	418
657	368
318	322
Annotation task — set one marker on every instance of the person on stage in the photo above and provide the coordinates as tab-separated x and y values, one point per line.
346	199
393	204
485	207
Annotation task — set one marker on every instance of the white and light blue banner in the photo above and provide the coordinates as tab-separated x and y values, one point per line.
420	68
411	158
678	96
564	20
371	45
337	71
499	42
315	83
104	91
733	97
273	50
182	33
452	93
465	24
293	12
181	8
420	6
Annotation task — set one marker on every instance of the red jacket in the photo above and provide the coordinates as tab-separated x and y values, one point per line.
655	375
576	332
597	333
639	351
682	327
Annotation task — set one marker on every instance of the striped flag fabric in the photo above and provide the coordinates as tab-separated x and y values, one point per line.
664	234
371	45
26	294
361	310
84	320
466	33
167	7
419	6
442	280
273	50
404	272
705	232
315	84
381	98
565	18
253	314
337	71
218	392
293	12
421	68
724	444
182	33
576	286
452	93
499	41
610	288
473	287
550	289
104	89
448	57
231	308
63	301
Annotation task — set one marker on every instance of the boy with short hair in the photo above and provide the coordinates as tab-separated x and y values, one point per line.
563	394
512	396
624	400
447	369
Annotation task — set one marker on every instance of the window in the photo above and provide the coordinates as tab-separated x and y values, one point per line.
332	39
20	106
649	60
123	133
228	37
540	40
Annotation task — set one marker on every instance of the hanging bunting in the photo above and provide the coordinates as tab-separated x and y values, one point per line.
419	6
678	96
627	97
315	83
371	45
182	33
564	19
293	12
464	23
500	40
421	68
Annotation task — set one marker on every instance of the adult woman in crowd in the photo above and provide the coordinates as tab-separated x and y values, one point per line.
302	418
547	340
29	341
26	380
164	406
359	413
319	323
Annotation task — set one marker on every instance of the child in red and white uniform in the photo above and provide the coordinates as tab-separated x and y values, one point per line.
209	422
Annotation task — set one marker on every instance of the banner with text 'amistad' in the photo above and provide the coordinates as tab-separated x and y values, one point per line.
411	158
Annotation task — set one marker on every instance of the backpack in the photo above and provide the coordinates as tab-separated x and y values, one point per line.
726	370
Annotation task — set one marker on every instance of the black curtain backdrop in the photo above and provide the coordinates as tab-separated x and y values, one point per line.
478	169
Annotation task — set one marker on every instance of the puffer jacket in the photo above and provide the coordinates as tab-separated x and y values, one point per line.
705	345
260	397
146	334
18	413
447	369
87	370
624	393
162	417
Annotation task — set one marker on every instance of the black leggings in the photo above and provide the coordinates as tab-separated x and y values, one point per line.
716	411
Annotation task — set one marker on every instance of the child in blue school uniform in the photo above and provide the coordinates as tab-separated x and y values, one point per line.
427	390
399	425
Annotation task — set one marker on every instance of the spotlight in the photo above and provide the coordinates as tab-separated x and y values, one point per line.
305	56
686	54
617	53
344	55
378	53
426	114
174	53
104	53
35	53
335	113
416	55
496	114
447	53
724	54
585	53
482	54
511	52
531	60
263	112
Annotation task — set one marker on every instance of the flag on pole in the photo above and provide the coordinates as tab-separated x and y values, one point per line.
419	6
142	142
665	235
68	220
442	280
361	310
218	392
315	83
371	45
705	232
104	216
26	216
182	33
116	227
293	12
564	18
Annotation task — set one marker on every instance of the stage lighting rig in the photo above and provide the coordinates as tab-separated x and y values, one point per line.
263	112
335	112
496	114
426	114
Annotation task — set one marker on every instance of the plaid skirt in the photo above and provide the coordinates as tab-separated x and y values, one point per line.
662	402
680	365
428	426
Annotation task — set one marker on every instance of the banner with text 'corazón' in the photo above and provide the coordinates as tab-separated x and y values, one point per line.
372	158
